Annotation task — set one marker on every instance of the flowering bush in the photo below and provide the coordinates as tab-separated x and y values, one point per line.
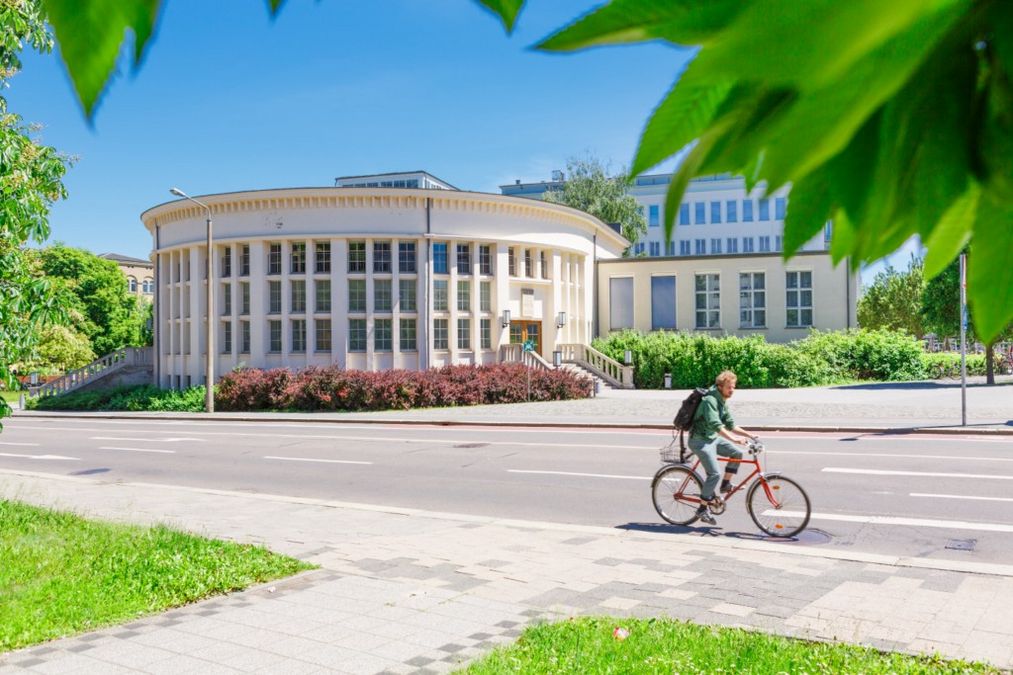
331	388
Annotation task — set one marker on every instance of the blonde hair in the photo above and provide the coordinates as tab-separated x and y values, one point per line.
725	376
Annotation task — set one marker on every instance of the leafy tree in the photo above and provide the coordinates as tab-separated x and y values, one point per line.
112	317
589	188
890	118
941	313
30	181
60	348
894	300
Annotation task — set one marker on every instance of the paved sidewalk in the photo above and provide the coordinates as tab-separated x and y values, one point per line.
930	406
403	591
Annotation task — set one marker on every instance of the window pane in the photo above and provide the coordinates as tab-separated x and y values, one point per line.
381	295
464	258
485	296
406	257
620	303
486	333
356	335
792	317
322	258
381	257
382	335
323	295
298	288
663	303
759	318
807	317
464	333
464	296
440	264
440	334
356	256
323	335
356	295
274	297
440	302
406	293
407	335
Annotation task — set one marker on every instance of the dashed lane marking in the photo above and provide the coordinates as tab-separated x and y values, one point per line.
931	474
165	452
581	475
895	520
972	497
312	459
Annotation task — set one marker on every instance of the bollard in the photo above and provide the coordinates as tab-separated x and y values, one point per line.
668	380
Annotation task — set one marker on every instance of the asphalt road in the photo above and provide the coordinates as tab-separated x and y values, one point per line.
940	497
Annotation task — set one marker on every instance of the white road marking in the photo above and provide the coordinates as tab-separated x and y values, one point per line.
55	457
148	440
310	459
582	475
922	456
933	474
34	445
974	497
894	520
166	452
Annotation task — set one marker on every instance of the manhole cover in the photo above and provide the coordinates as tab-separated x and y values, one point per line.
809	537
472	445
961	544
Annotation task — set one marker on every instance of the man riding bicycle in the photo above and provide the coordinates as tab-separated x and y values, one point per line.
713	433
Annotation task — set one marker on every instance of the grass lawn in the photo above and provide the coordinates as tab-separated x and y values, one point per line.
587	645
61	574
10	396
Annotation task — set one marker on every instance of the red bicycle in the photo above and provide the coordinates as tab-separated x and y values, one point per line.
777	504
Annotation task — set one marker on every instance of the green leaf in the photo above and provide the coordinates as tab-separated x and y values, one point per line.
506	10
989	272
680	118
682	22
274	5
843	240
90	35
953	231
808	211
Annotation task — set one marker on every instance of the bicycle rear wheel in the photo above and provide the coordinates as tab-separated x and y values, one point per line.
676	494
779	506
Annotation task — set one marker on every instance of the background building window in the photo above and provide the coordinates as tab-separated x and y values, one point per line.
382	301
440	265
544	264
684	214
764	209
356	257
731	211
764	244
747	210
715	212
464	296
700	217
226	299
356	335
485	333
274	297
274	259
464	258
132	284
799	299
708	301
512	261
227	337
663	303
684	247
780	208
700	247
752	300
653	215
227	261
440	340
485	296
620	303
381	257
244	261
440	296
322	259
244	337
298	287
747	244
655	247
274	331
464	333
406	257
485	259
406	295
322	335
733	245
322	295
356	295
716	245
778	243
407	335
298	335
382	335
298	257
244	297
529	264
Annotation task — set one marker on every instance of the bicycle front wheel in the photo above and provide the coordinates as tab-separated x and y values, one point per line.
676	494
779	506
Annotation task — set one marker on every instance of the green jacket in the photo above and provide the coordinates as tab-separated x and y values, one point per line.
711	416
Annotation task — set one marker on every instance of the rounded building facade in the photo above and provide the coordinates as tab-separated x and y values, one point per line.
370	279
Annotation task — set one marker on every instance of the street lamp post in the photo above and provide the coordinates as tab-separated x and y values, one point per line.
209	396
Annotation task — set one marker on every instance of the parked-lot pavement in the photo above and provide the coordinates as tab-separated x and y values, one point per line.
403	590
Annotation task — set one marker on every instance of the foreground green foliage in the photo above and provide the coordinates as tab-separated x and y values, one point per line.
821	358
63	574
125	398
664	646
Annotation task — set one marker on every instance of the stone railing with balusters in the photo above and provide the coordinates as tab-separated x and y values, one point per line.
121	358
601	365
514	353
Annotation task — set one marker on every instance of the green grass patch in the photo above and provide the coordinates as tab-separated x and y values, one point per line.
10	396
62	574
135	398
588	645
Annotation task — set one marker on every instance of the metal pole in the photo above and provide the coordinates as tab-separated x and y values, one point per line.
209	395
963	339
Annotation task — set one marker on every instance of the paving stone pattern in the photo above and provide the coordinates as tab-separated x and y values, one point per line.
413	592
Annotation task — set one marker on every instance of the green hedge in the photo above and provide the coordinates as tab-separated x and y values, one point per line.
125	398
947	364
819	359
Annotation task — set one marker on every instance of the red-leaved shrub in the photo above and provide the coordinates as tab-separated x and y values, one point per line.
331	388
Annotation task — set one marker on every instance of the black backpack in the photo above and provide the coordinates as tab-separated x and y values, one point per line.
684	418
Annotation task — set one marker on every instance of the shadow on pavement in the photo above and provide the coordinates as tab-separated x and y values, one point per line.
809	536
911	386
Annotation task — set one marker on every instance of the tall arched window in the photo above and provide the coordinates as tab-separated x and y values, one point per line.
148	287
132	283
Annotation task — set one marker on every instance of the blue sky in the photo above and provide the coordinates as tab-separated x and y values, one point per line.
229	99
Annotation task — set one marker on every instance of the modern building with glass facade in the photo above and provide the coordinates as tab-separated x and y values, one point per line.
370	278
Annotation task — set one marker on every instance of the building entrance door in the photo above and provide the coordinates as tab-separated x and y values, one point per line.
522	331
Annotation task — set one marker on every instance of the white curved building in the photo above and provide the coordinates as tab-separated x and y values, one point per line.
370	278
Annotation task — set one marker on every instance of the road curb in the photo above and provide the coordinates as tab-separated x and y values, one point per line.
957	431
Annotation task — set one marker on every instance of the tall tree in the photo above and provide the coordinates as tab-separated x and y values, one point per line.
590	188
30	181
894	300
112	317
941	314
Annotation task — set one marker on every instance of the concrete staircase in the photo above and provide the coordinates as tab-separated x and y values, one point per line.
126	366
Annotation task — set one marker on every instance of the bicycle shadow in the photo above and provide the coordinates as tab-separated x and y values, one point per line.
703	530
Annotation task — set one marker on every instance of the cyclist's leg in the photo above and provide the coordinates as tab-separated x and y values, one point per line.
707	455
728	449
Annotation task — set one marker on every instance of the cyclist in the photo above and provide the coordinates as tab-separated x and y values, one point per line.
713	433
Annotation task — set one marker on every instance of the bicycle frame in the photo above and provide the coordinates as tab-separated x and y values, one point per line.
757	471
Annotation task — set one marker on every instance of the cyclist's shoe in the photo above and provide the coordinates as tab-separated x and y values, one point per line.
704	516
726	486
